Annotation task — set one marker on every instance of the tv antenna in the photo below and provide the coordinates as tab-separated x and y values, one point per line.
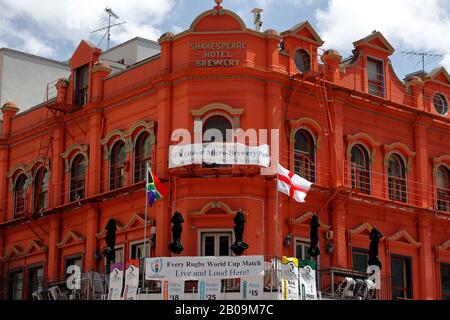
112	14
425	57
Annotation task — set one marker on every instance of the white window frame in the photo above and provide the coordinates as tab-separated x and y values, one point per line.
201	232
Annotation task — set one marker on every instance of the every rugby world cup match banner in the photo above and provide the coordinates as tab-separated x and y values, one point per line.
218	153
195	268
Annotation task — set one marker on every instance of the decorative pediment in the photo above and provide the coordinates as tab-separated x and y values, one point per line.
439	75
306	218
445	246
363	229
401	149
217	19
14	252
220	206
135	222
361	138
35	247
404	236
71	238
304	31
377	41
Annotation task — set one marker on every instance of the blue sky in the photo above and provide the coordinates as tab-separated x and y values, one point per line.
53	29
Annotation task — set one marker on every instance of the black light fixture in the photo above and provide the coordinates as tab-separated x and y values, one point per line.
287	240
329	247
239	246
177	228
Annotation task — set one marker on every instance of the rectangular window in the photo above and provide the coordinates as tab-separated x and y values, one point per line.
35	281
137	250
81	85
77	261
401	277
216	244
301	249
375	77
16	285
360	258
445	281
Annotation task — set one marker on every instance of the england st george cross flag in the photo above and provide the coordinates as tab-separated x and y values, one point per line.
155	189
292	184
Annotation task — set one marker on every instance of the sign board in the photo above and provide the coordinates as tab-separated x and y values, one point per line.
131	280
217	54
116	281
307	278
195	268
173	290
210	289
289	279
219	153
252	288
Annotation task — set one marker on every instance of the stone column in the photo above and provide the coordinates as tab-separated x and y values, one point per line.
53	250
426	260
91	238
338	211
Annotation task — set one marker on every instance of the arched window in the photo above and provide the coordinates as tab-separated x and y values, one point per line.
20	195
302	60
443	189
77	178
215	130
117	166
360	169
41	189
304	155
142	155
397	178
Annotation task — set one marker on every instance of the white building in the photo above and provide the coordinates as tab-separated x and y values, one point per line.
24	77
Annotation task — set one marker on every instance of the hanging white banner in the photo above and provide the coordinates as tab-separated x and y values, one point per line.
307	278
116	281
173	290
131	280
252	288
218	153
289	282
195	268
210	289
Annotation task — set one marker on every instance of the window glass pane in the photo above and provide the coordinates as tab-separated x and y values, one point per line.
224	246
209	245
445	281
360	259
137	251
36	281
372	70
221	124
16	290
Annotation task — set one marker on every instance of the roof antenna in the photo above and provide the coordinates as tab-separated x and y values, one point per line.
110	13
424	57
257	18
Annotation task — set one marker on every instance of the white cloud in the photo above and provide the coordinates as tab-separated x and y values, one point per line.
72	20
413	24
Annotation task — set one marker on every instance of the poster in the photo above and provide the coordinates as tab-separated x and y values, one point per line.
210	289
116	281
173	290
289	279
131	280
196	268
252	288
307	278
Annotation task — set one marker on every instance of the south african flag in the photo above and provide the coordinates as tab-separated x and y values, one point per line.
155	189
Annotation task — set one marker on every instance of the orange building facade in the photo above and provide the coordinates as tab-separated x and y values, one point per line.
376	148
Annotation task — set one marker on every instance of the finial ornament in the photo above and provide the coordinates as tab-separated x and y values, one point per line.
218	8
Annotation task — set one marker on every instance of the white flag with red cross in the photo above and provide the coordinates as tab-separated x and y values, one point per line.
292	184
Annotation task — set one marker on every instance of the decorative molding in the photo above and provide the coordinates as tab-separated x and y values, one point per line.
364	138
71	235
121	228
389	49
37	245
127	136
213	205
305	123
307	216
440	161
444	246
405	235
400	148
304	25
213	12
14	252
363	227
234	113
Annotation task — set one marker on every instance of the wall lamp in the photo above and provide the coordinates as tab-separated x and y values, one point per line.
287	241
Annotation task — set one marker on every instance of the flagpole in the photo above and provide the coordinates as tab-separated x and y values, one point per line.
145	222
276	214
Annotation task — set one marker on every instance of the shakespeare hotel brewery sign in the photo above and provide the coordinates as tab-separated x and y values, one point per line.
217	54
